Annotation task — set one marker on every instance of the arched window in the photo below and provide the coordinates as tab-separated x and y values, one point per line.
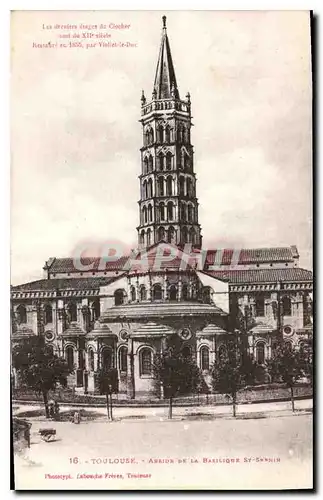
180	134
167	134
143	292
145	165
169	160
160	159
161	234
150	213
161	186
185	235
72	311
169	186
171	235
48	314
186	351
144	189
260	305
182	186
21	314
207	294
119	297
222	351
133	293
90	356
147	137
184	292
287	306
107	362
204	358
123	351
260	353
184	161
148	237
192	235
151	136
189	187
157	292
96	309
288	345
150	188
146	361
144	213
189	213
162	211
142	237
172	292
69	356
170	211
160	134
150	163
183	212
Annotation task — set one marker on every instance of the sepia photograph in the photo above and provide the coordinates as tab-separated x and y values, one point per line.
161	250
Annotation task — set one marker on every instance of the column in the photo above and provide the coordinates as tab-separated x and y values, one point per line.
96	359
84	314
149	287
179	292
137	289
31	312
131	390
165	284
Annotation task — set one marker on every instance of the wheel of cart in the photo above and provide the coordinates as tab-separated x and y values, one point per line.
47	434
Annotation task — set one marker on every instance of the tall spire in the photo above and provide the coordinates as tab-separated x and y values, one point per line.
165	86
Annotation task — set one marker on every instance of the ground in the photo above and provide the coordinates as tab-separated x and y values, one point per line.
217	453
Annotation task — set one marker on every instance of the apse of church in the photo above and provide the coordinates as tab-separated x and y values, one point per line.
168	204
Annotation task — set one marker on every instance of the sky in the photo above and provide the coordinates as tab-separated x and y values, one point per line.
75	134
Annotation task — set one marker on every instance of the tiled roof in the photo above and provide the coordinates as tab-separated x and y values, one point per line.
74	330
212	329
160	309
252	255
158	262
290	274
100	329
219	256
151	328
67	265
63	284
262	328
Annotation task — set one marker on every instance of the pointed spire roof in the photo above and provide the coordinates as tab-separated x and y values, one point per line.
165	85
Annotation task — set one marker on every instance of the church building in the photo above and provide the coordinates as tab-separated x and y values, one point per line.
121	312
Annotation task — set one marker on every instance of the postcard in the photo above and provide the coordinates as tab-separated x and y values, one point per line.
161	250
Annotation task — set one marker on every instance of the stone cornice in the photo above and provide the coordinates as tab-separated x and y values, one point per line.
269	287
52	294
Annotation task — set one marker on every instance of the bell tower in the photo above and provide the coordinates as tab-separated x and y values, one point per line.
168	206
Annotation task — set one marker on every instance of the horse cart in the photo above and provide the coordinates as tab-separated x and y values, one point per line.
47	434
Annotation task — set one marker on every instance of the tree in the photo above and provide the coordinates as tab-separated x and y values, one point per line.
241	322
108	385
307	359
38	368
232	372
287	365
176	374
